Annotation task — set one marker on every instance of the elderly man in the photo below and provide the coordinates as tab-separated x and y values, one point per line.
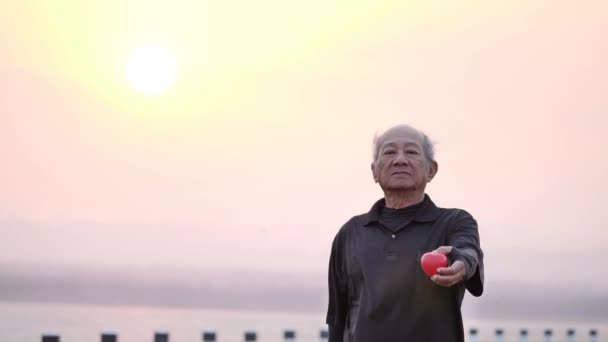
377	289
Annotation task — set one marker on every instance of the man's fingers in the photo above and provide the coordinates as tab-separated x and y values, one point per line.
447	280
444	280
448	276
447	270
445	250
455	268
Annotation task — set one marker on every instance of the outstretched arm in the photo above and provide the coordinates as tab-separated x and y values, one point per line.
465	251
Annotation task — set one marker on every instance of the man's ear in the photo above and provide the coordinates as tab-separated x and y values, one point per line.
374	174
433	168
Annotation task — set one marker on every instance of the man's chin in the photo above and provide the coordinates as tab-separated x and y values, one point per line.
400	187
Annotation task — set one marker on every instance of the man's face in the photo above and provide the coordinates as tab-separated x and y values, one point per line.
401	163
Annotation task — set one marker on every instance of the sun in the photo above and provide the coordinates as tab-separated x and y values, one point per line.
150	69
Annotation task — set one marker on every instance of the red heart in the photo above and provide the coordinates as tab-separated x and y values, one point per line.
431	261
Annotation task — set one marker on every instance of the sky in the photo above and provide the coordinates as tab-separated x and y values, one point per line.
261	148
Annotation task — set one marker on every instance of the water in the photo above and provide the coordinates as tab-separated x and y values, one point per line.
26	322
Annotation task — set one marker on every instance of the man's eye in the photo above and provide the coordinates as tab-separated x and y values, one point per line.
389	152
412	152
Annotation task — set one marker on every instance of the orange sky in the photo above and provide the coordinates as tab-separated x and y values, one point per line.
261	149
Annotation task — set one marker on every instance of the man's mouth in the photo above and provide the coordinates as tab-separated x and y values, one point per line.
400	173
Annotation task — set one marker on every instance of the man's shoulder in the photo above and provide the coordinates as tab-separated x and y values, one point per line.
455	217
354	222
454	212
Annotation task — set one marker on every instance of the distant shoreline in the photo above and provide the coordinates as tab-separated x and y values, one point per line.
268	292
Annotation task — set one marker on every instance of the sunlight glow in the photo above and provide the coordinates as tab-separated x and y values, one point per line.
151	69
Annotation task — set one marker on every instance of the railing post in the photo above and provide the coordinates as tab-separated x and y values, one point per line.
593	335
251	336
523	335
109	337
161	336
209	336
548	335
570	335
289	335
323	335
499	335
50	338
473	335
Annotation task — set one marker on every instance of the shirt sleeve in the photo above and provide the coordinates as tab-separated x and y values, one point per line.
463	236
337	306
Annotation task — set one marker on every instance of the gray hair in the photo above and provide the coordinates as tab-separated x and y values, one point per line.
428	147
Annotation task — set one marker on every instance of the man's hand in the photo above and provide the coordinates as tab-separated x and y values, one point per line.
448	276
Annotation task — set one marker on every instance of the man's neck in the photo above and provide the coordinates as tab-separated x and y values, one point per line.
401	199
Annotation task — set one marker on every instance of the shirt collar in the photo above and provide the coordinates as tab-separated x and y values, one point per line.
426	213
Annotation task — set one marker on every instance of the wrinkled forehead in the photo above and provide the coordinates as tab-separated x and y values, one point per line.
401	136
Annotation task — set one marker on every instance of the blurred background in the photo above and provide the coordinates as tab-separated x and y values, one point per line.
185	165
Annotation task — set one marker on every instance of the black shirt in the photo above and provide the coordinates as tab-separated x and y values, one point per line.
395	219
377	289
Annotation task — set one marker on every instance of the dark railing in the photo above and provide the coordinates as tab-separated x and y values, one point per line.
290	336
499	335
207	336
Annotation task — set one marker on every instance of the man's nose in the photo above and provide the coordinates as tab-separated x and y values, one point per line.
400	159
